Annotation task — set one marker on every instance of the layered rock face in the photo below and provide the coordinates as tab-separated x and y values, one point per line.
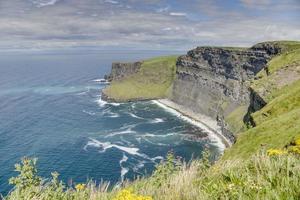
123	70
214	81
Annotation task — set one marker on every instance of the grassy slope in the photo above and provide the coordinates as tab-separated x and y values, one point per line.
151	82
279	121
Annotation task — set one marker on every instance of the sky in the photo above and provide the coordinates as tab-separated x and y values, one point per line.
146	24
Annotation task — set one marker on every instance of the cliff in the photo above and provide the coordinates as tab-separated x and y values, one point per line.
216	80
226	84
149	79
120	71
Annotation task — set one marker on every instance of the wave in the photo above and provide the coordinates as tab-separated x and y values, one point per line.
135	116
214	139
157	120
154	135
102	103
128	131
101	80
124	170
113	115
114	104
108	145
89	112
155	143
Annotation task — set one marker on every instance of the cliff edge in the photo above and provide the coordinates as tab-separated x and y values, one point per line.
226	84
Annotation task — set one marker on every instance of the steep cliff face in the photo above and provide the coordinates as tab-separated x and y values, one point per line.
120	71
213	81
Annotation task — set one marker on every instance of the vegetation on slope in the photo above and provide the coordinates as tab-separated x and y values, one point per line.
282	70
272	176
279	120
153	81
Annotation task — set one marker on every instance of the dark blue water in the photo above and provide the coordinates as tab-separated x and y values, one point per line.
51	108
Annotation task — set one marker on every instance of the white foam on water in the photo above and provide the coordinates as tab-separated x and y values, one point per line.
108	145
127	131
113	115
114	104
138	139
157	120
101	102
89	112
133	105
138	166
214	138
81	93
101	80
135	116
154	135
124	170
110	114
154	143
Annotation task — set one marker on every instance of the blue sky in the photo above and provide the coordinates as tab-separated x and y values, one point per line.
146	24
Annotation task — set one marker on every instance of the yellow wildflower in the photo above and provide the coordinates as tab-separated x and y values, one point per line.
297	142
128	195
80	187
295	149
276	152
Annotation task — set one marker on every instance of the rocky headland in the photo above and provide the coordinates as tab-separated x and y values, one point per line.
215	82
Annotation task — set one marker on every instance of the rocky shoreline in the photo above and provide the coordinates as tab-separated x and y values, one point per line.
205	123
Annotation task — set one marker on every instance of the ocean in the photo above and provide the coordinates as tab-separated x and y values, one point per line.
51	109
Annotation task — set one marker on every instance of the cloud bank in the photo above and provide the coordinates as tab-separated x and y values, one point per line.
145	24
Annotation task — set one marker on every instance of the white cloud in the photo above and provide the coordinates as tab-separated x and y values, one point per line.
111	1
42	3
177	14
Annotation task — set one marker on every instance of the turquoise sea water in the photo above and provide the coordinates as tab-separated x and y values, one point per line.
51	108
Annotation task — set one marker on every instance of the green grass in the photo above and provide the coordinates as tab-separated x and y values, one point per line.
235	119
260	177
286	63
285	100
279	121
276	123
274	133
154	80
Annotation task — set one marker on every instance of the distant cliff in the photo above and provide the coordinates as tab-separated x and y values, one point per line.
149	79
120	71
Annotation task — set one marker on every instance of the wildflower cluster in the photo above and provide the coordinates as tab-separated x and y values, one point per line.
276	152
128	195
293	147
80	187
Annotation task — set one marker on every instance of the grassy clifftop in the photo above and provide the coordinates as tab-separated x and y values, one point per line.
279	121
153	81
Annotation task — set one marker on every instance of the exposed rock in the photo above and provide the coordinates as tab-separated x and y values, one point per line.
214	81
256	103
120	71
270	48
